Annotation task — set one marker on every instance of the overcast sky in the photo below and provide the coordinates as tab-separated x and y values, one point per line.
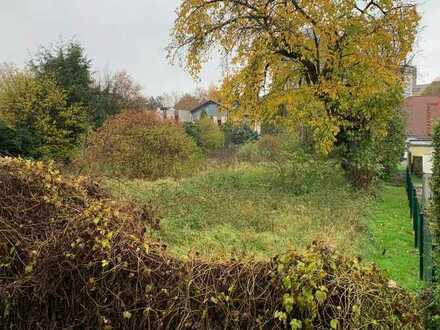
131	35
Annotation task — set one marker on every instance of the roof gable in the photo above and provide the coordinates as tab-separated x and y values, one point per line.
203	105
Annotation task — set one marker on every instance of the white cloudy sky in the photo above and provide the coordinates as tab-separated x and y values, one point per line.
131	35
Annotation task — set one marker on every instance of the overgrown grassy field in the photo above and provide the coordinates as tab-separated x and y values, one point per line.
245	212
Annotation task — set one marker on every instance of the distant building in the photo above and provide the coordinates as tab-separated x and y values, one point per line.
410	78
420	114
212	110
411	88
170	113
183	116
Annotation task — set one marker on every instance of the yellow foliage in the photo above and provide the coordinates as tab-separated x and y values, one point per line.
323	61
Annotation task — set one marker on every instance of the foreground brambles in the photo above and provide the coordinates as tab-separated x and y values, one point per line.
70	257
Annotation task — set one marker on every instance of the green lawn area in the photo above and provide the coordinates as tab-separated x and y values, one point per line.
244	212
390	239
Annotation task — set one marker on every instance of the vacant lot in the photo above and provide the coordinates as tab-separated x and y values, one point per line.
246	211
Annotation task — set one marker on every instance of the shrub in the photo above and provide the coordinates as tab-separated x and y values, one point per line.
249	152
374	152
267	149
38	111
294	164
431	299
393	145
362	164
138	144
433	313
376	157
72	258
18	142
206	133
192	131
239	134
10	143
435	183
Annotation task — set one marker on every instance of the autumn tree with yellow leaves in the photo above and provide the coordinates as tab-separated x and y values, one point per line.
331	66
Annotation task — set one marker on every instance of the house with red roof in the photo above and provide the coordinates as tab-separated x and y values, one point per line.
421	112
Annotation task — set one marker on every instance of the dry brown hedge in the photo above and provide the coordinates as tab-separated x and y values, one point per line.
72	258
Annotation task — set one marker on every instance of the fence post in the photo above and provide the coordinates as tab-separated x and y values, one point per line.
421	244
416	223
414	208
410	201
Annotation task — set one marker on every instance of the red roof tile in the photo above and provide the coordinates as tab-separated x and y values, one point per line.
420	113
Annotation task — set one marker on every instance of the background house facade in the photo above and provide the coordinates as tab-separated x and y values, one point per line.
212	109
420	114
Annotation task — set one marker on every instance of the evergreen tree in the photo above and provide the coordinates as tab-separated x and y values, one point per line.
37	118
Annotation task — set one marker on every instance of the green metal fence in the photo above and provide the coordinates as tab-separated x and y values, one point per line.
422	234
